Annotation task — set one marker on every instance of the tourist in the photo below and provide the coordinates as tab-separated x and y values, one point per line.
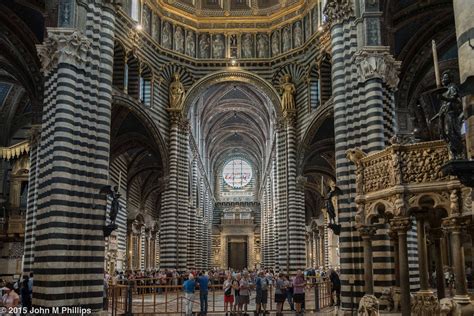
289	292
244	286
10	299
261	288
298	291
236	285
189	287
228	295
203	281
25	294
280	293
335	288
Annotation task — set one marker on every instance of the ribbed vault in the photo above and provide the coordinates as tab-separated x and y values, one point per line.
233	119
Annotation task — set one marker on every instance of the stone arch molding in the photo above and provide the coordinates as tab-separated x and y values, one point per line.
267	90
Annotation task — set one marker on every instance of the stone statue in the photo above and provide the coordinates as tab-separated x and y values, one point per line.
204	46
247	46
450	307
286	39
386	299
298	34
368	306
307	27
218	46
451	117
146	18
233	40
156	28
333	192
176	93
262	46
275	43
190	44
179	39
166	36
114	207
288	94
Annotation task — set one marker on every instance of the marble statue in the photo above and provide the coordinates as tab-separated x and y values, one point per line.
247	46
275	43
166	36
190	44
146	20
113	193
286	39
204	46
298	34
218	46
368	306
176	93
314	19
156	28
179	39
307	27
262	46
288	91
451	117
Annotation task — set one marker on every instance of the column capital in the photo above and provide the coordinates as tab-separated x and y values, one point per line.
400	224
337	11
367	231
63	45
377	62
455	223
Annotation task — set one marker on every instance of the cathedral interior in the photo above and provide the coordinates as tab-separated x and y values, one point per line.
143	135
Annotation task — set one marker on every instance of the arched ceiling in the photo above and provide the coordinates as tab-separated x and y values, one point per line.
235	120
131	140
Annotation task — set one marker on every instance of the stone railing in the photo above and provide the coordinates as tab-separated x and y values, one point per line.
247	221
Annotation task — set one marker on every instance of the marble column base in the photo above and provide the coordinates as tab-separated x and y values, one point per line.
425	303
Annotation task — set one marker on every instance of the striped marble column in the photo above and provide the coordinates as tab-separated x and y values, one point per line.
170	208
73	161
31	207
281	207
192	232
183	196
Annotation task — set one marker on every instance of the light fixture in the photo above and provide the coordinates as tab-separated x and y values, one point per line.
320	28
233	62
138	27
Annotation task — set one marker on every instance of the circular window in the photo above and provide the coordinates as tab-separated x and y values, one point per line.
237	173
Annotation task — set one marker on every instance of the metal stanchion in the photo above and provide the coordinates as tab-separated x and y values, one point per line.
316	297
128	311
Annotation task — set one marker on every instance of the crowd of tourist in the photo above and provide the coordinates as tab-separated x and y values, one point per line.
238	287
17	294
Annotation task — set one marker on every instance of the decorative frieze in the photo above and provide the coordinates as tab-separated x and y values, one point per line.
63	46
377	63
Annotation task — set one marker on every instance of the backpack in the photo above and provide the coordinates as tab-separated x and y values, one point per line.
264	284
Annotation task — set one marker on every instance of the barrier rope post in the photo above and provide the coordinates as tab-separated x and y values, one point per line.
316	296
129	300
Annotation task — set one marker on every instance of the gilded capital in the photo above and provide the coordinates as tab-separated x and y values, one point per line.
377	63
337	11
63	46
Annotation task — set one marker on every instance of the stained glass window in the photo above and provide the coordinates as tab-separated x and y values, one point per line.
237	173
